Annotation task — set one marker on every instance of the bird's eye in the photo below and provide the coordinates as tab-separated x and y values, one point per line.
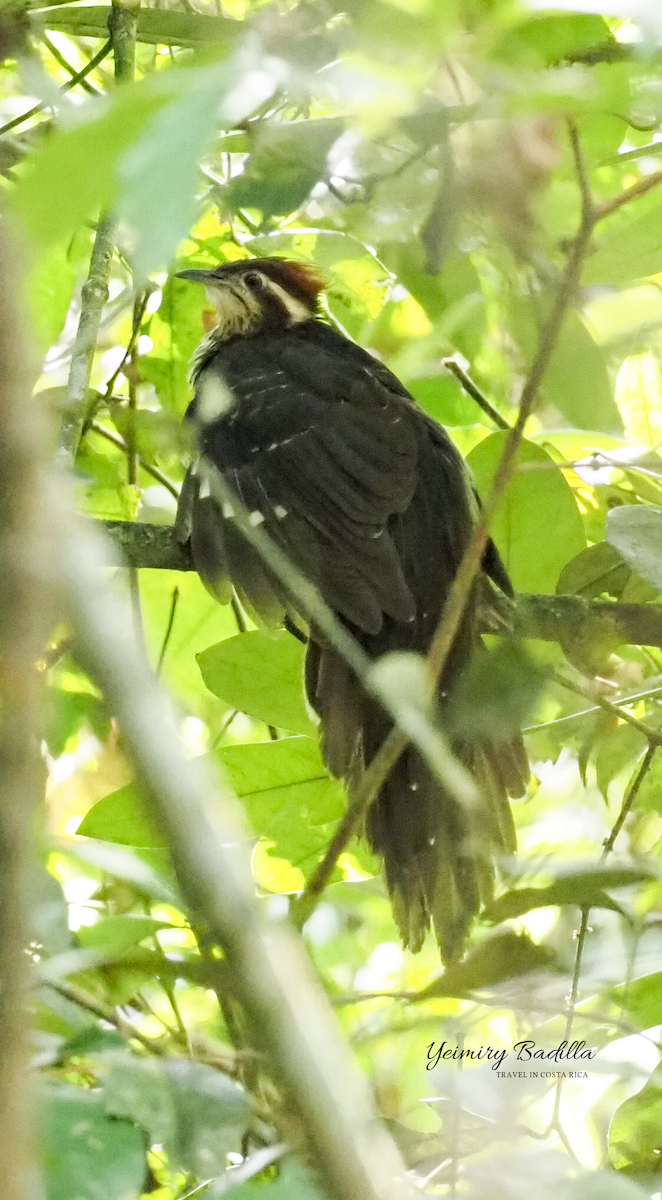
254	281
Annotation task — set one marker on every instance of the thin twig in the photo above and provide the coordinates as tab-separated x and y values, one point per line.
75	79
653	736
472	389
640	188
59	58
148	467
122	26
169	628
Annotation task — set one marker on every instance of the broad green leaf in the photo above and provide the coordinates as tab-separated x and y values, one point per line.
498	693
198	620
442	398
538	527
577	382
295	1182
636	532
158	174
113	935
103	134
649	795
635	1133
641	999
86	1155
50	289
597	570
621	748
175	330
288	795
147	871
503	956
138	1090
635	311
547	39
639	398
629	249
261	674
163	27
211	1112
579	887
122	818
286	161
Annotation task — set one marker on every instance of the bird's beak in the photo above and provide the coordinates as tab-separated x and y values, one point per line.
195	274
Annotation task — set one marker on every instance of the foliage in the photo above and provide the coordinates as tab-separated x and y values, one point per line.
421	155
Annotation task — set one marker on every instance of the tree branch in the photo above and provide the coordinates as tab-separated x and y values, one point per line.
570	620
271	977
122	25
24	620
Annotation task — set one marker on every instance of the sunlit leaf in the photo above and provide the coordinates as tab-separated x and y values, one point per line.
503	956
261	674
538	527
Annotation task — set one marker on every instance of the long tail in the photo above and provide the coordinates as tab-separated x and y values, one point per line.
438	860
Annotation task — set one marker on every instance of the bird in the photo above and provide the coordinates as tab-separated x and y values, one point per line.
370	499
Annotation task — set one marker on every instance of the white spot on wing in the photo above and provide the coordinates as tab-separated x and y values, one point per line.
204	490
256	517
280	512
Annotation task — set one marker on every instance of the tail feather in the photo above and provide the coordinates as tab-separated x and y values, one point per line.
438	858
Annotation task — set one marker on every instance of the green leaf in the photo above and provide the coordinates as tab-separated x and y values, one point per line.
138	1090
547	39
597	570
163	27
578	887
641	999
86	1155
635	1133
503	956
622	747
50	288
538	527
442	398
175	330
147	871
631	248
116	934
577	381
261	674
649	796
122	818
211	1114
286	162
636	532
295	1182
288	794
159	173
498	693
79	164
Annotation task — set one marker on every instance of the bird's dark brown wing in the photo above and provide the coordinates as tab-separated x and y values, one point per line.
324	457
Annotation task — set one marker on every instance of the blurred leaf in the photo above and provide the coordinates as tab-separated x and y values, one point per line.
620	748
113	935
635	1132
630	248
295	1182
649	796
137	1089
577	381
175	330
442	398
50	289
498	693
288	794
260	674
158	173
641	999
639	398
636	532
502	956
286	161
538	527
122	818
211	1111
546	39
87	1155
163	27
579	887
150	878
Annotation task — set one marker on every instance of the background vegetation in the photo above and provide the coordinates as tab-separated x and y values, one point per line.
478	179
